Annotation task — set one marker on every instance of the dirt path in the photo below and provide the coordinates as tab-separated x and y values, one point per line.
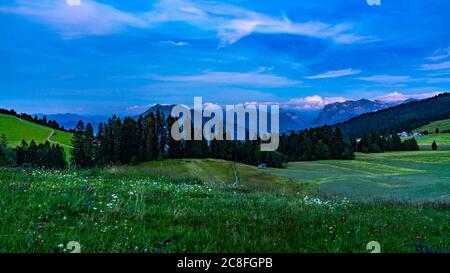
237	181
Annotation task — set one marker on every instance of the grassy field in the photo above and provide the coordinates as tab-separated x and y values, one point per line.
442	139
214	171
399	199
16	129
422	176
132	212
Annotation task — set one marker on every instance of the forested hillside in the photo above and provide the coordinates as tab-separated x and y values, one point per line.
405	117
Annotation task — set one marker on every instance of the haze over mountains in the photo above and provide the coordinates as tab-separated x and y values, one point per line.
290	119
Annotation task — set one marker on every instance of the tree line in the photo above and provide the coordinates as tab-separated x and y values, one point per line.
35	119
148	138
376	143
43	155
315	144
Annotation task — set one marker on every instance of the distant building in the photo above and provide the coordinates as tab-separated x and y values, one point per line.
409	134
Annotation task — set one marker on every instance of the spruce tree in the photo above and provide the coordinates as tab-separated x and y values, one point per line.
88	146
78	150
434	146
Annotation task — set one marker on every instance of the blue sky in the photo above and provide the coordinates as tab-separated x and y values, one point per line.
103	57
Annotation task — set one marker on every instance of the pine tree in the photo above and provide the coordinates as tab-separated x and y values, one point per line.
100	147
321	150
32	154
354	143
88	146
116	135
78	150
434	146
140	139
21	153
337	145
396	143
149	136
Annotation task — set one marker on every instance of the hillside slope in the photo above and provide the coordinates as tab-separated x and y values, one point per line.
442	138
404	117
442	125
214	171
16	130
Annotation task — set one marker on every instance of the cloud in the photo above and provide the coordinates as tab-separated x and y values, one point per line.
232	23
335	74
440	54
139	108
250	79
175	43
229	22
312	102
396	96
73	20
387	79
436	66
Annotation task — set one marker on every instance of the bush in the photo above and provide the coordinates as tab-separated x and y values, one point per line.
272	159
7	155
434	146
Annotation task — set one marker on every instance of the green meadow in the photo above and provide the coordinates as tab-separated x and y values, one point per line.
397	176
400	199
442	125
16	130
136	211
442	139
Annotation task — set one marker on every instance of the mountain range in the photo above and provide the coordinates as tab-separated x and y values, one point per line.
342	111
69	121
290	119
404	117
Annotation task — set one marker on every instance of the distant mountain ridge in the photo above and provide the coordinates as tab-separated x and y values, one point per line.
289	119
338	112
69	121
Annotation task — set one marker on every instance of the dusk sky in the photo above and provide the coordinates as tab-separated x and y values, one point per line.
104	57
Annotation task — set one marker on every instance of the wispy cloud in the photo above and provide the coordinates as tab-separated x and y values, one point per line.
387	79
174	43
396	96
88	18
440	54
335	74
436	66
249	79
229	22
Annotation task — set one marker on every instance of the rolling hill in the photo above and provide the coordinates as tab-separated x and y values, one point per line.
442	125
214	171
16	130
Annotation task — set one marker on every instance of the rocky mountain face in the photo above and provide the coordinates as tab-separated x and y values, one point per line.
342	111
